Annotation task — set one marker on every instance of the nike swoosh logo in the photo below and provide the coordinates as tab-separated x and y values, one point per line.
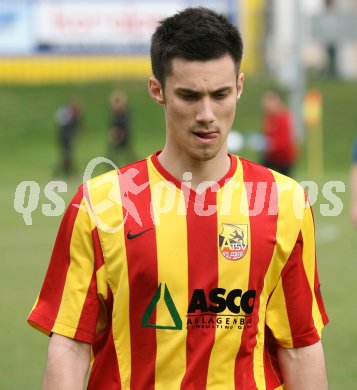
131	236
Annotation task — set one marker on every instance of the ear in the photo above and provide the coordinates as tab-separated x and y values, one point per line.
240	83
156	90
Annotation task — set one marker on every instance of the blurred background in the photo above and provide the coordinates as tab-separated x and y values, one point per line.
73	86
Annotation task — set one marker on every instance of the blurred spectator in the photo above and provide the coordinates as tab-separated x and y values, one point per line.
235	141
331	46
280	147
354	185
120	149
68	120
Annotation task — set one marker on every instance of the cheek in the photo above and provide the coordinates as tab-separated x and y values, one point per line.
176	111
228	111
177	121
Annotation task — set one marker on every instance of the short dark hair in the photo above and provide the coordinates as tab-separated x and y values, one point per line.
196	34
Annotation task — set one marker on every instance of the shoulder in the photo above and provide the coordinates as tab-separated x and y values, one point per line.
253	171
115	174
283	190
106	196
109	186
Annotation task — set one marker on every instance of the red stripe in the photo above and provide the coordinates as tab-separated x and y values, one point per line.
263	239
97	249
298	299
91	307
202	274
89	316
105	374
50	297
319	299
273	377
142	269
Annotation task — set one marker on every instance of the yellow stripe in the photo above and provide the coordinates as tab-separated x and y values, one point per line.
42	69
308	255
78	277
258	357
231	275
109	216
173	273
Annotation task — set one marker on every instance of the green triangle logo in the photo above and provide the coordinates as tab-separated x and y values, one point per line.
170	306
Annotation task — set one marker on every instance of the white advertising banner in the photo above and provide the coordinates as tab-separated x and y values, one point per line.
16	36
106	25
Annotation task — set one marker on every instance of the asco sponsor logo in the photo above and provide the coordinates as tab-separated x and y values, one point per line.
221	309
219	299
205	309
233	241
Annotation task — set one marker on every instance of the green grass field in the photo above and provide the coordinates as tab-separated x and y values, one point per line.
28	152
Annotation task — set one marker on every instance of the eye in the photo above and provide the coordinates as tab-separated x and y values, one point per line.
220	95
189	96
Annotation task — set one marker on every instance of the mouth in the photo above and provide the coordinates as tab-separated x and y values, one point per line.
206	135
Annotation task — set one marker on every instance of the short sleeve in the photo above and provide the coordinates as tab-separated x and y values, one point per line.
295	311
74	291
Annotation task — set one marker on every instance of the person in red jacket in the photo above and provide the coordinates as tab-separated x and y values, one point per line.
280	146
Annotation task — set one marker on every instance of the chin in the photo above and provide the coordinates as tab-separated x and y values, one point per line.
203	155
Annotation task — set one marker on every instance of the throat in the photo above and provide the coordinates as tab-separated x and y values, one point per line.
201	173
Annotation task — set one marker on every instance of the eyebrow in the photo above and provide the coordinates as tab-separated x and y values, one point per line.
183	90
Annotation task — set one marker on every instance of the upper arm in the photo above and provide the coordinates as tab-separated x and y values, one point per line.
63	346
303	368
67	364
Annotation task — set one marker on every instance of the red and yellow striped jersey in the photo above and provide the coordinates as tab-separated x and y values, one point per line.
183	289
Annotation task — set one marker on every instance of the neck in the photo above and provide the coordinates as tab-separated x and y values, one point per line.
202	171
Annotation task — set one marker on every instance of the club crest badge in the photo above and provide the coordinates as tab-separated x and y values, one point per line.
233	241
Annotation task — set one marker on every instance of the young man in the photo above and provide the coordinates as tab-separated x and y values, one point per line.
192	269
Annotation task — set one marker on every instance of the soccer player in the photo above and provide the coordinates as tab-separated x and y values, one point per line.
194	268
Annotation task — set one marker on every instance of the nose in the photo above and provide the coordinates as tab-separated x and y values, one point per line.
205	111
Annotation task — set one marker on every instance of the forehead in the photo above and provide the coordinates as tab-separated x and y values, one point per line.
209	74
